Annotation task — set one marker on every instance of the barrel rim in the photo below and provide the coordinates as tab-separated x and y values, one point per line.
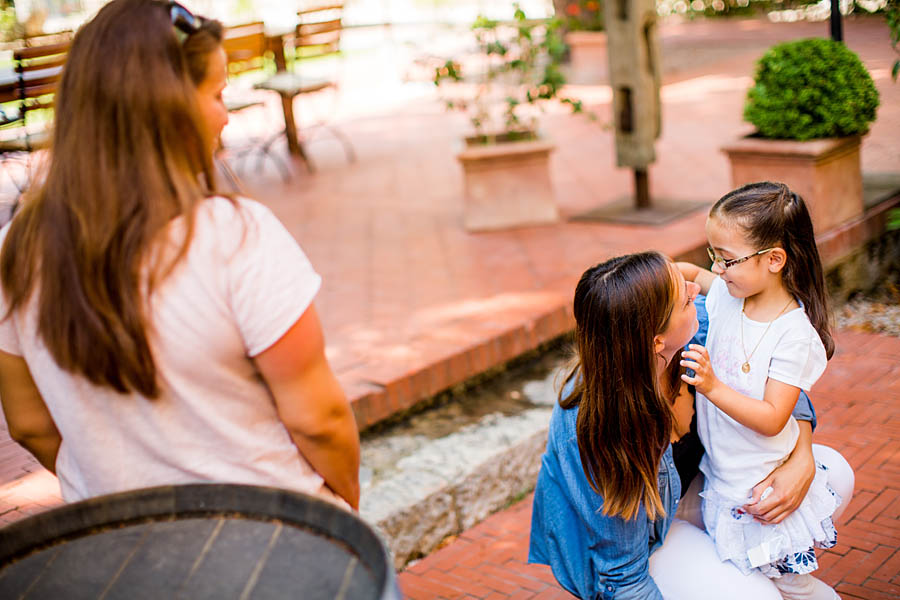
176	502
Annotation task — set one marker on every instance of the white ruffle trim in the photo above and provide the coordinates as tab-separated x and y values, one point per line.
749	544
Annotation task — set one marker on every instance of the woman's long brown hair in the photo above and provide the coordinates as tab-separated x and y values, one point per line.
128	155
772	215
624	419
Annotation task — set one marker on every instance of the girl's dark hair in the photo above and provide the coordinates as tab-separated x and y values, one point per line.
129	154
772	215
624	419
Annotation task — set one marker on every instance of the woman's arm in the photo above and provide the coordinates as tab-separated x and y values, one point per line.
30	423
789	482
312	405
698	275
766	418
683	410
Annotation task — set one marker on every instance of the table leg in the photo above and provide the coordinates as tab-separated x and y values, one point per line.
290	127
276	44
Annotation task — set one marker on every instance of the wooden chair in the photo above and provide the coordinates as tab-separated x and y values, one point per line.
317	36
47	39
12	149
38	70
245	50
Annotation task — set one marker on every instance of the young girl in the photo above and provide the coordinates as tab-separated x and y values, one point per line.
769	338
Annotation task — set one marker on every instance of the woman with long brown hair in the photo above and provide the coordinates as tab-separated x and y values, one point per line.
155	331
609	488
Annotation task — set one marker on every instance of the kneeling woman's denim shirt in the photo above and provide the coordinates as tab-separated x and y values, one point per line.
593	556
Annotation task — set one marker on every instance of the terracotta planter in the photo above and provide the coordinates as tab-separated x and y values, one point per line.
825	172
588	63
508	185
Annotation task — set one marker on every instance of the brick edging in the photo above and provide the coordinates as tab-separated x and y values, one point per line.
376	402
375	399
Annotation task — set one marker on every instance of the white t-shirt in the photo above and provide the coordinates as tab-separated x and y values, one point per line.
242	284
791	351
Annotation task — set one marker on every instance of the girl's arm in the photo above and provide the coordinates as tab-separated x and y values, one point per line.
30	423
766	418
312	405
698	275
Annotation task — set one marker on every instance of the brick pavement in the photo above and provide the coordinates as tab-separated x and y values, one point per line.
411	303
858	406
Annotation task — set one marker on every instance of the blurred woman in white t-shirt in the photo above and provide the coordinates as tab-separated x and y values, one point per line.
155	332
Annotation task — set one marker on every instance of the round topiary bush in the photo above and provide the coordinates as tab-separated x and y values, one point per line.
809	89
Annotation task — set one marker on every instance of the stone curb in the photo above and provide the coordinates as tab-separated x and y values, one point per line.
451	484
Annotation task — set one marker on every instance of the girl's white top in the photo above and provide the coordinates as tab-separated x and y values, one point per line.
243	283
791	351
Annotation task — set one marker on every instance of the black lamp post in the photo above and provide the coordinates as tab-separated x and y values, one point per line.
837	33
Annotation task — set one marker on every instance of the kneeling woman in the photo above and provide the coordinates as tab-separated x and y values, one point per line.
608	488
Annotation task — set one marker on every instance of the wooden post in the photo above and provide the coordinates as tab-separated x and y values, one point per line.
641	189
633	51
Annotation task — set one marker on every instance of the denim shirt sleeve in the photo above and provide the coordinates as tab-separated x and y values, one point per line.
702	320
803	410
593	556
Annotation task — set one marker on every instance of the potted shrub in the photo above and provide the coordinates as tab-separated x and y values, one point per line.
583	22
811	102
505	161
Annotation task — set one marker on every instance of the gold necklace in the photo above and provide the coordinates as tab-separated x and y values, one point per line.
746	366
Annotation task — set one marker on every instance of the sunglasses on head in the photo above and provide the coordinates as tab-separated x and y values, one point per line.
185	22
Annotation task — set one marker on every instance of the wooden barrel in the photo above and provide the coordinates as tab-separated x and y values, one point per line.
195	541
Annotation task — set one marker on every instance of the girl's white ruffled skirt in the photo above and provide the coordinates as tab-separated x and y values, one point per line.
773	549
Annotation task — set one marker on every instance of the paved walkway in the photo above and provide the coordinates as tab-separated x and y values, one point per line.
858	406
413	304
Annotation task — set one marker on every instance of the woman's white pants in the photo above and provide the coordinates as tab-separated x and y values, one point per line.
687	567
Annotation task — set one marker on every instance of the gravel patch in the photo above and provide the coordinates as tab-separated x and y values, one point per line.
880	315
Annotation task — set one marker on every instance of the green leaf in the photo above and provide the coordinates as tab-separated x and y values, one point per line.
482	22
577	106
496	47
893	219
519	14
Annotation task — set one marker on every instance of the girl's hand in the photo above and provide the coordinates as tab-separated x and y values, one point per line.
704	379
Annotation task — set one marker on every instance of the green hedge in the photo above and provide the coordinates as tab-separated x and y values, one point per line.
810	89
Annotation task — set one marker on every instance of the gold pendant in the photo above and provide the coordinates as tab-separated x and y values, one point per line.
745	367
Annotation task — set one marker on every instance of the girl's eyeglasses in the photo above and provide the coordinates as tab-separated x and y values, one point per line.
725	263
184	21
